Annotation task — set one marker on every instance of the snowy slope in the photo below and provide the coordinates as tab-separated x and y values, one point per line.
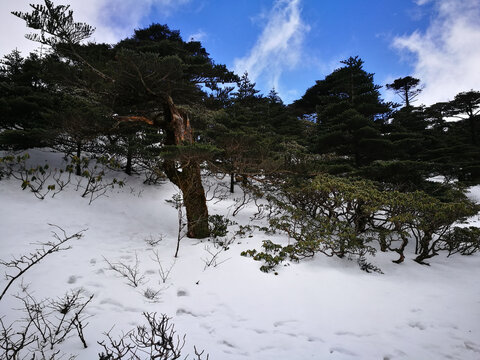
319	309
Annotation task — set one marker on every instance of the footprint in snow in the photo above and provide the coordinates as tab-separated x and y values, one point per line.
472	346
343	351
208	328
73	279
93	261
186	312
417	325
95	284
226	343
110	301
315	339
283	322
349	333
182	292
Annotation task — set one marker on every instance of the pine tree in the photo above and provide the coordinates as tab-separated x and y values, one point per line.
407	88
347	105
140	82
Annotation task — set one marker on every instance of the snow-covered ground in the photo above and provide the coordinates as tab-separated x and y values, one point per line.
323	308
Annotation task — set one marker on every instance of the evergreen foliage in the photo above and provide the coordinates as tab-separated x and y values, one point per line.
352	218
407	88
347	105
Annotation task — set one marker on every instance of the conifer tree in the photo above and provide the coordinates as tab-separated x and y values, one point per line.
347	104
140	82
407	88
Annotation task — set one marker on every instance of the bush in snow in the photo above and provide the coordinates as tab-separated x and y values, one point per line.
462	240
352	218
218	225
156	340
42	180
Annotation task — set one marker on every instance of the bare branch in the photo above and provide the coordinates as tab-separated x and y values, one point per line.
25	262
131	273
163	272
157	340
212	258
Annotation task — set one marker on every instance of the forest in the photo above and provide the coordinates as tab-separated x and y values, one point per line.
339	172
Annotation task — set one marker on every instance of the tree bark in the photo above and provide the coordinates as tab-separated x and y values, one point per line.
424	249
78	170
128	167
185	173
232	182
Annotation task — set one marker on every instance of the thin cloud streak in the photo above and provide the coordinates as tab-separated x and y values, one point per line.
447	53
279	46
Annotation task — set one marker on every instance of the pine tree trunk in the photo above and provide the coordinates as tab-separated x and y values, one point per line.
78	170
185	173
195	204
424	249
232	182
128	167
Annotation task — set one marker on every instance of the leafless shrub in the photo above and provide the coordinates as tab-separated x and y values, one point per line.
251	192
131	273
215	189
154	240
152	295
224	244
54	320
152	172
177	203
157	340
163	272
136	192
212	259
46	324
13	342
21	264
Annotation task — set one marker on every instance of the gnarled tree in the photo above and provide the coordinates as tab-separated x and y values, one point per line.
138	80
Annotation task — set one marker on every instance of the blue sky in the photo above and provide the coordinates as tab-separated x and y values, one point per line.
331	31
288	44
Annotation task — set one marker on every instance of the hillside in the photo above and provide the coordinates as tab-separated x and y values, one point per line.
322	308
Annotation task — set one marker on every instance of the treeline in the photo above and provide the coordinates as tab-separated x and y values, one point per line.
49	101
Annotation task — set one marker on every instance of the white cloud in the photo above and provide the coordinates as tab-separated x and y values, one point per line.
422	2
198	36
113	19
13	29
279	46
447	54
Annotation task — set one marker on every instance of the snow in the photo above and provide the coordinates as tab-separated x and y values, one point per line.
323	308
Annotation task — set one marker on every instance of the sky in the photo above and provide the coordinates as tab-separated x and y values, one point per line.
288	44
